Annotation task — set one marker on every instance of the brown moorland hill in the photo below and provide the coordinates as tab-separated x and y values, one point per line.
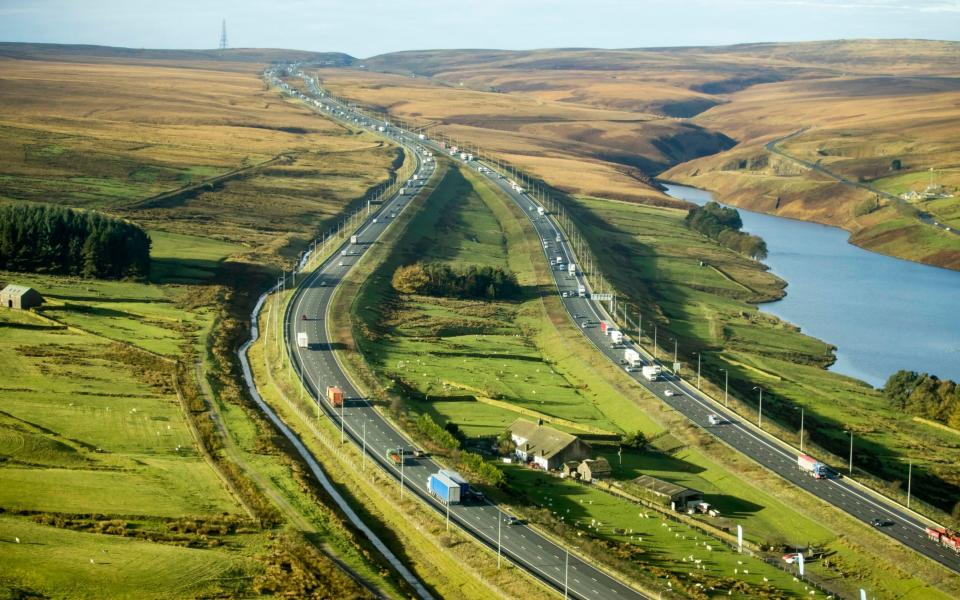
892	134
231	59
110	136
860	104
617	150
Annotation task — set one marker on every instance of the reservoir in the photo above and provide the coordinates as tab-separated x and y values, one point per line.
882	313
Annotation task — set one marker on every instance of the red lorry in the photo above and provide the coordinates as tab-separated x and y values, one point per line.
945	537
335	396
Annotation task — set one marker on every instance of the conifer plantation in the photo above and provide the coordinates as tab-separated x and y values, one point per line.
52	239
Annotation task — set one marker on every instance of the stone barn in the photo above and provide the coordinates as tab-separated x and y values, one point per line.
20	297
591	469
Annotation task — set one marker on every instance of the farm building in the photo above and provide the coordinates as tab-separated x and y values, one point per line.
669	493
545	446
569	468
20	296
591	469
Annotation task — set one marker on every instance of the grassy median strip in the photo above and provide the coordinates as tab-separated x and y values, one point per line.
423	343
449	563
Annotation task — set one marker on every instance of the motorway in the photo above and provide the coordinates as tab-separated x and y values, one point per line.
363	425
843	493
523	545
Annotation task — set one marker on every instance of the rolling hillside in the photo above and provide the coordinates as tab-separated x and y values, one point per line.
602	122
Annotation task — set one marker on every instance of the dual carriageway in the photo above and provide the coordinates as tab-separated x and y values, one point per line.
362	424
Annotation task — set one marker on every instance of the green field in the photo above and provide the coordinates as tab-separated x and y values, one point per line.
85	416
448	352
448	349
666	548
179	258
69	564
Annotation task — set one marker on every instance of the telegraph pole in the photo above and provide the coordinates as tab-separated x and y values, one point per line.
909	481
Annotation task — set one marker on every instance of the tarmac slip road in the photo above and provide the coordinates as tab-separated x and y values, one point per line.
842	493
363	425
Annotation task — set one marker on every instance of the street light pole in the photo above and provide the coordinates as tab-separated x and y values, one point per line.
760	408
363	465
801	429
851	451
654	341
566	571
726	386
675	350
698	370
499	522
909	481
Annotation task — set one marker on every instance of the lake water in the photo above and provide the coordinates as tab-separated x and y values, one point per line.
882	313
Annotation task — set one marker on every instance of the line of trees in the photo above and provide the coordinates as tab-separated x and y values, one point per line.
924	395
53	239
723	225
438	279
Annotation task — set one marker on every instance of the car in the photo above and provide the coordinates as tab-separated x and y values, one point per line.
629	368
669	393
714	420
564	294
511	520
342	263
322	283
584	325
881	523
791	558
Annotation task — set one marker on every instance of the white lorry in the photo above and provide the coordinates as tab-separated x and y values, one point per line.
616	337
582	291
651	372
353	239
572	269
540	210
303	340
812	467
631	357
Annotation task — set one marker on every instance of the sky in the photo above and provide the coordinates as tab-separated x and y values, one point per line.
366	28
